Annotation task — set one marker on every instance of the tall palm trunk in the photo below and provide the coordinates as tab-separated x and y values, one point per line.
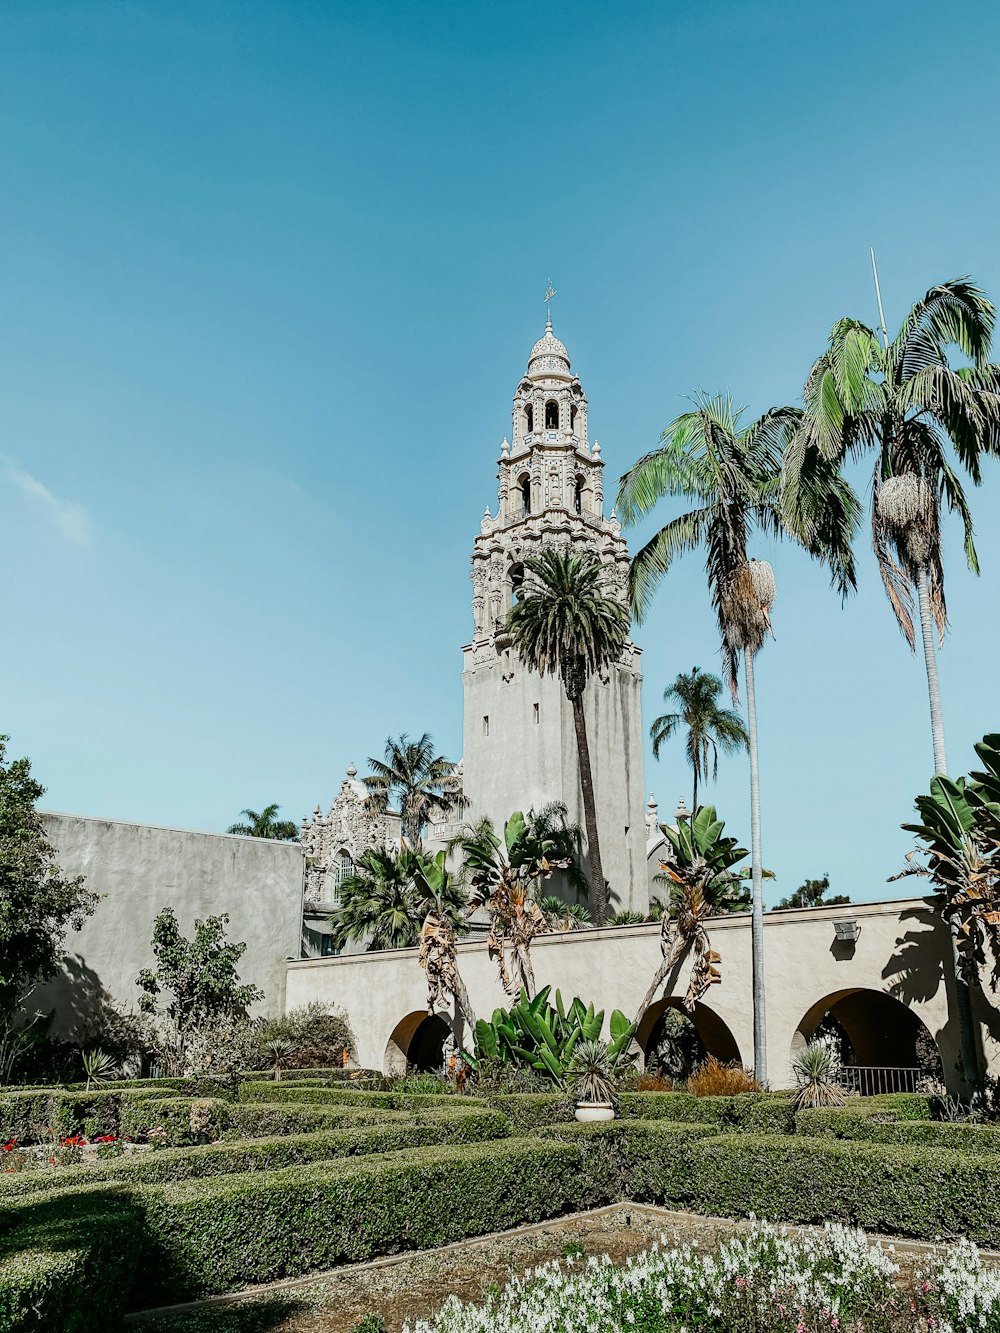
757	919
694	797
963	995
930	662
597	885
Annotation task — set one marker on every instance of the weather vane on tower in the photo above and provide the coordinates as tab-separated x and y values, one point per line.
550	291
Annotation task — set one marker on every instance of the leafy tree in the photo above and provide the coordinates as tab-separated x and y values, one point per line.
709	727
506	878
959	837
195	980
567	624
38	904
384	902
265	825
733	471
813	894
699	869
423	784
904	404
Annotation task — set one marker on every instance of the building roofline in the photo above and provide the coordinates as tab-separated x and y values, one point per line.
169	828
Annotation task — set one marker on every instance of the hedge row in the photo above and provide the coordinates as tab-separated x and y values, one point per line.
86	1253
214	1234
255	1120
249	1155
31	1115
389	1101
867	1125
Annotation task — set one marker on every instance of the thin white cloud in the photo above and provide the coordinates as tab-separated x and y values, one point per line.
71	519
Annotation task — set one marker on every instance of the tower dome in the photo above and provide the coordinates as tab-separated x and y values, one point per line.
549	354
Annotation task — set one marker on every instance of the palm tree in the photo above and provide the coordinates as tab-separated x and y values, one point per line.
442	900
733	471
566	624
709	727
422	782
506	876
377	902
264	825
903	403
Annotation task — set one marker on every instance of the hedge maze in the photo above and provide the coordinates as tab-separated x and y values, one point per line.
284	1179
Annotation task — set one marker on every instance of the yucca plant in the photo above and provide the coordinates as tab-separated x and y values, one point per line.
592	1073
561	917
627	919
814	1072
99	1066
278	1048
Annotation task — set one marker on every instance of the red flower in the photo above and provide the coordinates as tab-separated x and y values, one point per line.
7	1146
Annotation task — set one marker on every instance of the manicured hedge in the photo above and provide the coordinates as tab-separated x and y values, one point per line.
173	1114
214	1235
389	1101
847	1123
254	1120
750	1112
641	1160
69	1261
26	1116
171	1164
911	1191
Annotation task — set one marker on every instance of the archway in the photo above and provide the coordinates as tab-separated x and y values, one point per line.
663	1035
881	1039
417	1042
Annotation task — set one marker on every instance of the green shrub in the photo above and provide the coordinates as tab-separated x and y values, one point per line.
531	1110
389	1101
68	1261
250	1155
641	1160
845	1123
318	1037
256	1120
911	1191
22	1113
215	1235
184	1119
752	1112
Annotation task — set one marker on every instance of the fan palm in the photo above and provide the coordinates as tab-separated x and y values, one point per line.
733	472
378	903
265	825
422	783
923	421
567	624
709	727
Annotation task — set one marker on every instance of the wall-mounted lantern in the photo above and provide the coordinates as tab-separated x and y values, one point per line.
846	928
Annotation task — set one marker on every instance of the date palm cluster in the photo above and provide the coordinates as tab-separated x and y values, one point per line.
923	410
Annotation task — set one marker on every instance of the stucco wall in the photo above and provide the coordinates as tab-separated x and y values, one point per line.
140	868
528	759
901	952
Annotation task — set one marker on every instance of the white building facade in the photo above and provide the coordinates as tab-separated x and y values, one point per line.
520	747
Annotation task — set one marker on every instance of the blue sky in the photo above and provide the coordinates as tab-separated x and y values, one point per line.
270	275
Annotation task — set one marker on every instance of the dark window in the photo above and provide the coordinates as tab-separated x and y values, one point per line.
529	419
524	486
572	418
516	582
551	415
578	496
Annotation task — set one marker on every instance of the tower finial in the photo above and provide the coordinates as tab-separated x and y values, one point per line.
550	291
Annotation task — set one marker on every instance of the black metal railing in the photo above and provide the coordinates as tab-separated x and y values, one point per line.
870	1080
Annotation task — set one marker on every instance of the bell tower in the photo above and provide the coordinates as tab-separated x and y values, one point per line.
520	745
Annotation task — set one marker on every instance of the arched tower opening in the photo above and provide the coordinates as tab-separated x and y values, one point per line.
529	419
552	415
523	485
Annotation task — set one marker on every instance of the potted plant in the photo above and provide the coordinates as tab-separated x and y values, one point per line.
593	1077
